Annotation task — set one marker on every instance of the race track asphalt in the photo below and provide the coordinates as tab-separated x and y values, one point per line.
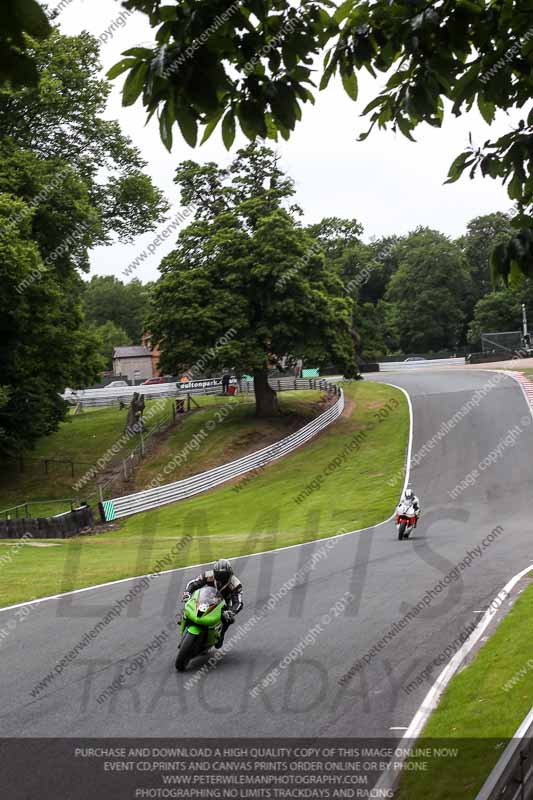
385	577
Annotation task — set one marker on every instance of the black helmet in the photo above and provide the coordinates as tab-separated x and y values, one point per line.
223	571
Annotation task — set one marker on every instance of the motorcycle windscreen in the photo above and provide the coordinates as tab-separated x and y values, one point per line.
405	510
207	599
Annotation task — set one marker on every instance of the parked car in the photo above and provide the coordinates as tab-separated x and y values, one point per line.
150	381
116	384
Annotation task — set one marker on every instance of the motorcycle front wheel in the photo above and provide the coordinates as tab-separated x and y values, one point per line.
401	529
187	650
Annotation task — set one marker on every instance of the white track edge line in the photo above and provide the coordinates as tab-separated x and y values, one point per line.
39	600
430	701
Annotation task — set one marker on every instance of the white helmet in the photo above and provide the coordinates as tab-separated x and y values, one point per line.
409	494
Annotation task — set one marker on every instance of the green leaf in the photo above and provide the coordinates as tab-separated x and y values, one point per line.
210	127
457	168
473	7
139	53
398	78
405	128
366	134
377	101
228	129
303	93
301	74
188	125
350	85
328	72
167	13
166	121
274	61
120	67
343	11
252	119
283	105
134	84
464	87
272	131
487	109
514	190
289	55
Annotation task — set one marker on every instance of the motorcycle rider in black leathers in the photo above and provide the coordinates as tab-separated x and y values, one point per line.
228	586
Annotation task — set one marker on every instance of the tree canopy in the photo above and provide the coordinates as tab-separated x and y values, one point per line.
500	311
482	235
69	180
255	63
246	284
426	294
60	121
108	336
107	299
43	346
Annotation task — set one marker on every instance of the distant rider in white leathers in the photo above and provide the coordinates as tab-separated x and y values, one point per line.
410	498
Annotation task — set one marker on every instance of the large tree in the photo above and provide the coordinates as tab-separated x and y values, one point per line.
68	180
365	270
369	322
500	311
426	294
107	300
246	286
61	122
108	337
342	245
43	346
218	63
482	235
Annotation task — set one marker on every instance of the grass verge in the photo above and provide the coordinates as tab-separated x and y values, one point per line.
233	436
85	438
481	709
261	514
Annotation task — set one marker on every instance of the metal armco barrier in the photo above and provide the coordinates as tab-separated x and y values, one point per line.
179	490
389	366
512	777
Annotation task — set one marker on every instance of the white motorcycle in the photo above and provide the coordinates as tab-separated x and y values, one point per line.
405	519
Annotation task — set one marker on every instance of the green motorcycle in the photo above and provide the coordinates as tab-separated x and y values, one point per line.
200	625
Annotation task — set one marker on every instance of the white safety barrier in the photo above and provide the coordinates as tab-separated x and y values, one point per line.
112	396
512	777
179	490
390	366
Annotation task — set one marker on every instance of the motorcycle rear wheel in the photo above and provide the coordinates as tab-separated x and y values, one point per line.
187	650
401	530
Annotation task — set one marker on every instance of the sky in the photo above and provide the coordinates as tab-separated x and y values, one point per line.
387	183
